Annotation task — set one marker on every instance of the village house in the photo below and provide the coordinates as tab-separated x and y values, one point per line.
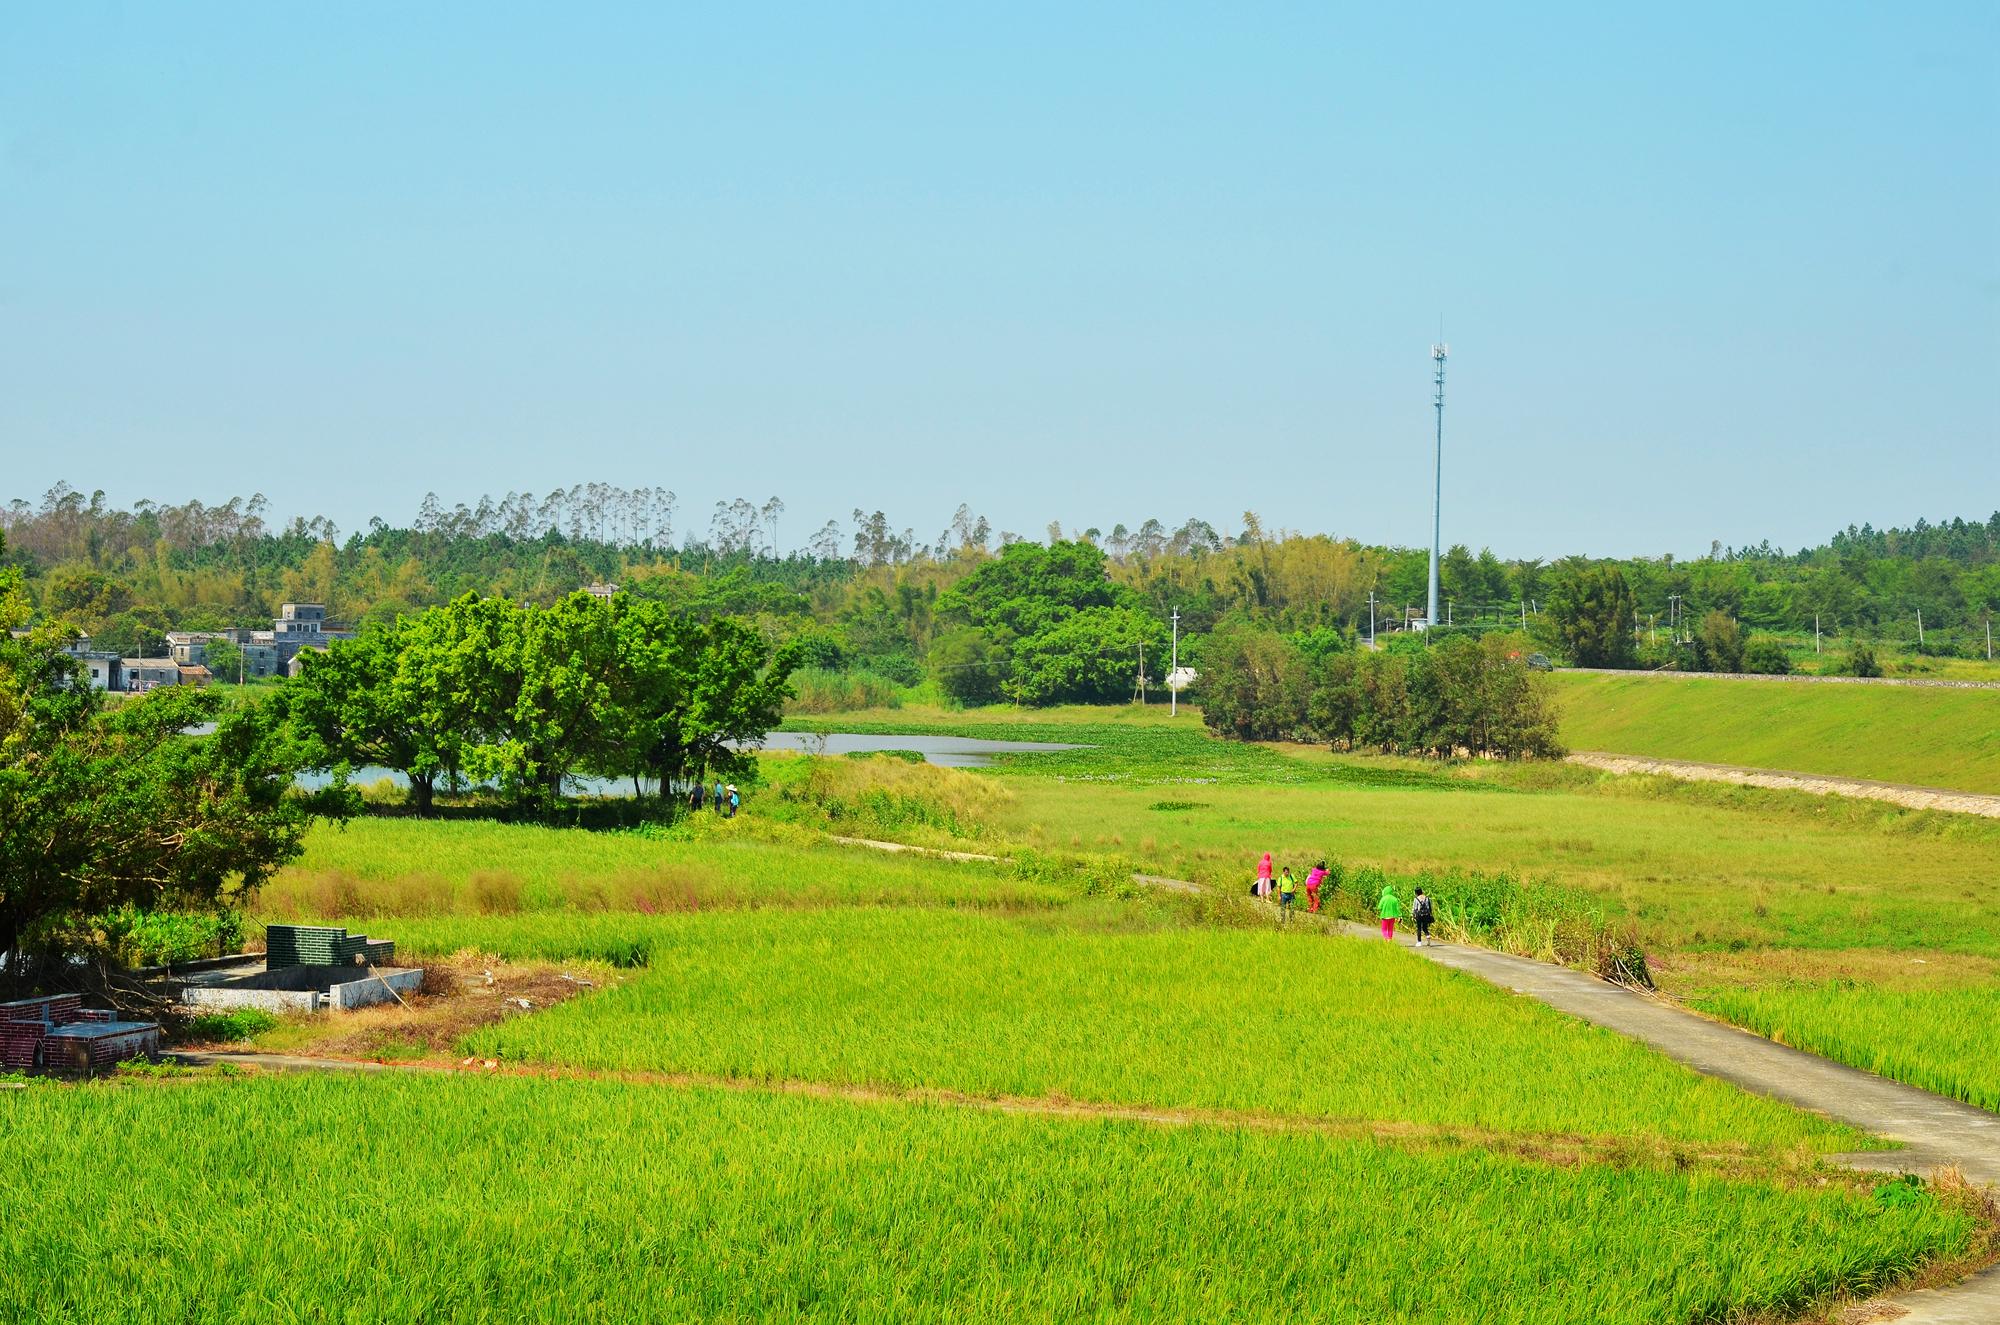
102	666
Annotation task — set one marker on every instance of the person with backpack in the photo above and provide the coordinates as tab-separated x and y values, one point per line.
1262	888
1390	908
694	797
735	801
1314	878
1420	912
1288	893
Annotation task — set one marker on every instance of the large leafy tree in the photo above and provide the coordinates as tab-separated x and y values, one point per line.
135	805
1591	614
390	698
689	695
1088	657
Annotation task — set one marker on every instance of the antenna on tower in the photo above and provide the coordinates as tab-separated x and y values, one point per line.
1439	352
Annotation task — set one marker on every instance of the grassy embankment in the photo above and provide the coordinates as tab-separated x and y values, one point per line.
1930	736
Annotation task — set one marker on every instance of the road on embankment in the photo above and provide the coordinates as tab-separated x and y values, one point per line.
1819	784
1934	736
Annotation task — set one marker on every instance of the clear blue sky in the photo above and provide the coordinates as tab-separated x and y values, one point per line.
1708	271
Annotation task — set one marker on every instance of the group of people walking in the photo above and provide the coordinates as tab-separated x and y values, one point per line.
1388	907
727	800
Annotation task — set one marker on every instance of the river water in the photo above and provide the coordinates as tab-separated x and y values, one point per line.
946	751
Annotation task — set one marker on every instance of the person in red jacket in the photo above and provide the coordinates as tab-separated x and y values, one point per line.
1264	876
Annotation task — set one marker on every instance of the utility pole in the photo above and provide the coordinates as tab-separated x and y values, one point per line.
1815	633
1173	681
1371	620
1920	627
1524	612
1438	353
1989	636
1141	690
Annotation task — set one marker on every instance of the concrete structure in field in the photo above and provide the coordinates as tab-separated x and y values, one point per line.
306	968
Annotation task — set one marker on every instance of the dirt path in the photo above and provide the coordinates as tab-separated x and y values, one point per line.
1819	784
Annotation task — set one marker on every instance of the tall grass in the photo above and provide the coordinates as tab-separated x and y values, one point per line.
819	690
510	1199
879	795
380	868
1196	1018
1943	1040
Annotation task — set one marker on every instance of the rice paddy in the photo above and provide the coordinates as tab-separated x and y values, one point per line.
819	1082
1256	1022
1944	1040
445	1199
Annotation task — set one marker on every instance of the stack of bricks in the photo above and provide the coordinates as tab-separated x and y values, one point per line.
25	1023
321	945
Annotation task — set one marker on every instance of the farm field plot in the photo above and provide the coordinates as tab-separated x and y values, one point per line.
374	868
479	1199
1936	737
1691	866
1945	1040
1698	871
1297	1024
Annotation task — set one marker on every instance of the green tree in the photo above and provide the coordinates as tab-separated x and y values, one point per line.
689	697
101	809
1090	657
970	664
1718	644
1766	656
389	698
1591	614
1255	685
224	660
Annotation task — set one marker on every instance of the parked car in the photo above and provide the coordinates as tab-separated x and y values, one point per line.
1539	662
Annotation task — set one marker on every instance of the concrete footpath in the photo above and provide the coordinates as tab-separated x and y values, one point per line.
1936	1132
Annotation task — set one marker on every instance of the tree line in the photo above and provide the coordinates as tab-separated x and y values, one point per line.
869	595
1463	695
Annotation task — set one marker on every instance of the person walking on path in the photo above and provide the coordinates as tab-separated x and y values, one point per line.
1288	893
694	797
1390	908
1420	912
1314	878
1264	876
719	805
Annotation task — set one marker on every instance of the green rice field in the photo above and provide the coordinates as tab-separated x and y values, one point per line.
445	1199
1251	1021
1945	1040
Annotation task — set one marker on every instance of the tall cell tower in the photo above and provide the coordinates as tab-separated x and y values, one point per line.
1438	353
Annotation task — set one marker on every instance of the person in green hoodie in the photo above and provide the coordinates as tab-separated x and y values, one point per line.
1390	908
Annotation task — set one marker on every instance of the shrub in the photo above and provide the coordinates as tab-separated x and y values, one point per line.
229	1027
1766	656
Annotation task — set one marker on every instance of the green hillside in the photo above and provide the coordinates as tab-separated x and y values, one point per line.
1932	736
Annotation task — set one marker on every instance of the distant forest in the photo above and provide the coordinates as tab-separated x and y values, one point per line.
867	594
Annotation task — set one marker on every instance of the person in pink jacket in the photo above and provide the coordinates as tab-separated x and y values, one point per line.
1264	876
1314	878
